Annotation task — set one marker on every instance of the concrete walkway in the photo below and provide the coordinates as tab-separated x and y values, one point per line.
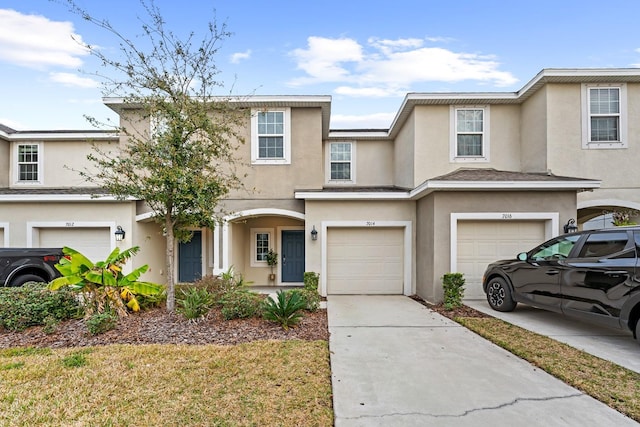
614	345
396	363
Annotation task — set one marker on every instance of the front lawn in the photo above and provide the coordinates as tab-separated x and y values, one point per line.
262	383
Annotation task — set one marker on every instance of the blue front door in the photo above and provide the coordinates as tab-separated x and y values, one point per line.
190	259
292	255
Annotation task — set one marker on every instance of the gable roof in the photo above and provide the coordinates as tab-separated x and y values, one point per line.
547	75
464	179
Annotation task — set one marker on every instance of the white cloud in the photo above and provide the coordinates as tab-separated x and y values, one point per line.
70	79
323	58
368	121
240	56
391	67
37	42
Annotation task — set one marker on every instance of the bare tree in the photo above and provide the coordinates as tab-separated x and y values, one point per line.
183	164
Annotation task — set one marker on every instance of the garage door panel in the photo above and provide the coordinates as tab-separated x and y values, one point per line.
93	242
1	237
365	260
483	242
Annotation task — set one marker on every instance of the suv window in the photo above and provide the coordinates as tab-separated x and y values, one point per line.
600	245
555	249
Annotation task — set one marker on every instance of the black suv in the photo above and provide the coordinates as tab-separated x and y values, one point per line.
591	274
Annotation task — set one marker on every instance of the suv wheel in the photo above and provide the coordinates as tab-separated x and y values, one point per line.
499	295
21	280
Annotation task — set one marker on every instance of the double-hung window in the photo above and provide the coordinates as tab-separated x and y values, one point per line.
604	121
470	134
270	137
28	165
341	158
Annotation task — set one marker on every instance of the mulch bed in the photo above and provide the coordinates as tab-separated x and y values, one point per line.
157	326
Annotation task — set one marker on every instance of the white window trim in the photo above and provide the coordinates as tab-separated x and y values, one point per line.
586	118
253	245
4	226
286	160
328	179
16	174
453	141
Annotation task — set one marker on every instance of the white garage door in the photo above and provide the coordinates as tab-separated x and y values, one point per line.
482	242
365	260
1	237
93	242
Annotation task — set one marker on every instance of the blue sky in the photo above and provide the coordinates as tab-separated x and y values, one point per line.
366	54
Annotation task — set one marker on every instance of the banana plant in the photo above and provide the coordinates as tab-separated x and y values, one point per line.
103	285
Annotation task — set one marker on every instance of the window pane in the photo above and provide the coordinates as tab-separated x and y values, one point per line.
262	246
341	171
340	152
270	147
555	249
470	120
469	145
605	101
28	172
603	244
271	123
604	129
27	153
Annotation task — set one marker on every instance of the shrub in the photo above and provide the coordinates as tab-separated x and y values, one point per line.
240	303
453	285
310	297
286	310
100	323
311	280
194	302
33	304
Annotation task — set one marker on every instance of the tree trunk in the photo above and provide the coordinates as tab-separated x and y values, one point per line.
171	291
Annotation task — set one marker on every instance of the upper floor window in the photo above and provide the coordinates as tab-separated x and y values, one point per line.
28	166
604	116
469	134
270	137
341	157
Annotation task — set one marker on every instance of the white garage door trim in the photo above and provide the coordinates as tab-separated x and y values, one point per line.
34	227
551	225
408	254
5	232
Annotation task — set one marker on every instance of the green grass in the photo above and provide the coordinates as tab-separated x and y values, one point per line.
611	384
261	383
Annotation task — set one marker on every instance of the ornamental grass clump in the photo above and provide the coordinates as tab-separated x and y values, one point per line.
286	309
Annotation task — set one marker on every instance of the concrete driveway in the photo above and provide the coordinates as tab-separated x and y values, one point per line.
615	345
396	363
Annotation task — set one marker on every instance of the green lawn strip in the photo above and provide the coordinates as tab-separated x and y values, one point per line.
611	384
258	383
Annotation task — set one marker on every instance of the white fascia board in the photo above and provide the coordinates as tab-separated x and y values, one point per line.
255	99
337	134
145	217
60	198
312	195
502	185
44	136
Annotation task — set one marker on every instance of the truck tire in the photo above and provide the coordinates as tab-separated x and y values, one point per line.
22	279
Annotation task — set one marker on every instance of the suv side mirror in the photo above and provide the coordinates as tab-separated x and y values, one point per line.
522	256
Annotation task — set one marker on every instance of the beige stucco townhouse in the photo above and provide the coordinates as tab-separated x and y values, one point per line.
457	181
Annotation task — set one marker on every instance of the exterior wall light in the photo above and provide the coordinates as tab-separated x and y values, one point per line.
120	233
570	226
314	233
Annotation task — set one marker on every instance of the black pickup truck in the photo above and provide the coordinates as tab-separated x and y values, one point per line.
21	265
